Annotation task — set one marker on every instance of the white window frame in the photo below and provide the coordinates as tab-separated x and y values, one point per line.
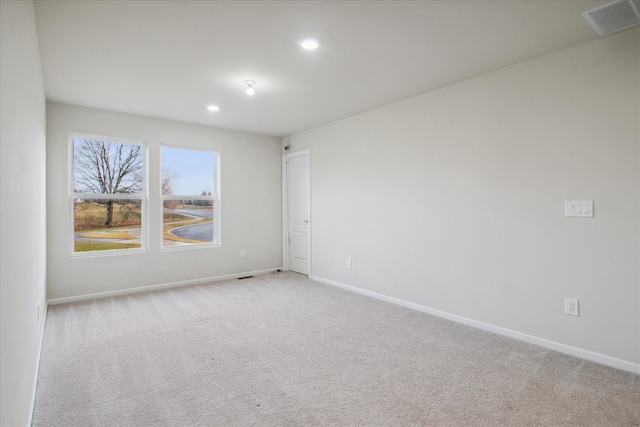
215	198
143	197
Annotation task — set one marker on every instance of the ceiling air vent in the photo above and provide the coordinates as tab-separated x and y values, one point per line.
613	17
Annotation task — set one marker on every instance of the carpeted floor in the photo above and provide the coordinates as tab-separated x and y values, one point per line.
282	350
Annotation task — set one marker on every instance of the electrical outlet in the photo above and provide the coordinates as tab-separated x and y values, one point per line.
349	264
571	306
243	254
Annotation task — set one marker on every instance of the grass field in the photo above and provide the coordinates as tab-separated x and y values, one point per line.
108	234
169	216
92	216
84	246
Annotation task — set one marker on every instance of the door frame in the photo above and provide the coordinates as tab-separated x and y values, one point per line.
285	208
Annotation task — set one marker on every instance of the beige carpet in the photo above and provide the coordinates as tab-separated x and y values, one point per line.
282	350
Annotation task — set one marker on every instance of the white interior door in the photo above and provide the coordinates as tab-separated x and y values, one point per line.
297	185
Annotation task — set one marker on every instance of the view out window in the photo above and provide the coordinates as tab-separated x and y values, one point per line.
108	197
189	198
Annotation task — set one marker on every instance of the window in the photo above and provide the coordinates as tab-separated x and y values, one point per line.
108	194
189	198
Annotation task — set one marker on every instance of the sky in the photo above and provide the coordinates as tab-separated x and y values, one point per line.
193	169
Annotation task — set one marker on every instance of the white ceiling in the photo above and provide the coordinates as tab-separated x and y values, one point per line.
169	59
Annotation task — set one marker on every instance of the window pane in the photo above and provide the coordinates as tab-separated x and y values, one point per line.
187	172
106	167
188	222
101	225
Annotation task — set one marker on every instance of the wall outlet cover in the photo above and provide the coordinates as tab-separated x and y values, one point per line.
571	307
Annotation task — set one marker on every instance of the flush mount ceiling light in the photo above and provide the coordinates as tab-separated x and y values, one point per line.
309	43
213	108
250	84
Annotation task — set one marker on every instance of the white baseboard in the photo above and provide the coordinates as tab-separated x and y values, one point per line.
157	287
552	345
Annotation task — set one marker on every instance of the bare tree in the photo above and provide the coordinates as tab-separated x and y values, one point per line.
104	167
167	188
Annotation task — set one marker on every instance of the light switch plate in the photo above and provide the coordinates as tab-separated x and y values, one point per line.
578	209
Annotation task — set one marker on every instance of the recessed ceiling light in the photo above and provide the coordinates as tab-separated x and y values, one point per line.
309	43
250	84
213	108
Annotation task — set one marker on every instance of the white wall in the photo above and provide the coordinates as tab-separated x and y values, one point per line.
454	200
22	210
250	205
